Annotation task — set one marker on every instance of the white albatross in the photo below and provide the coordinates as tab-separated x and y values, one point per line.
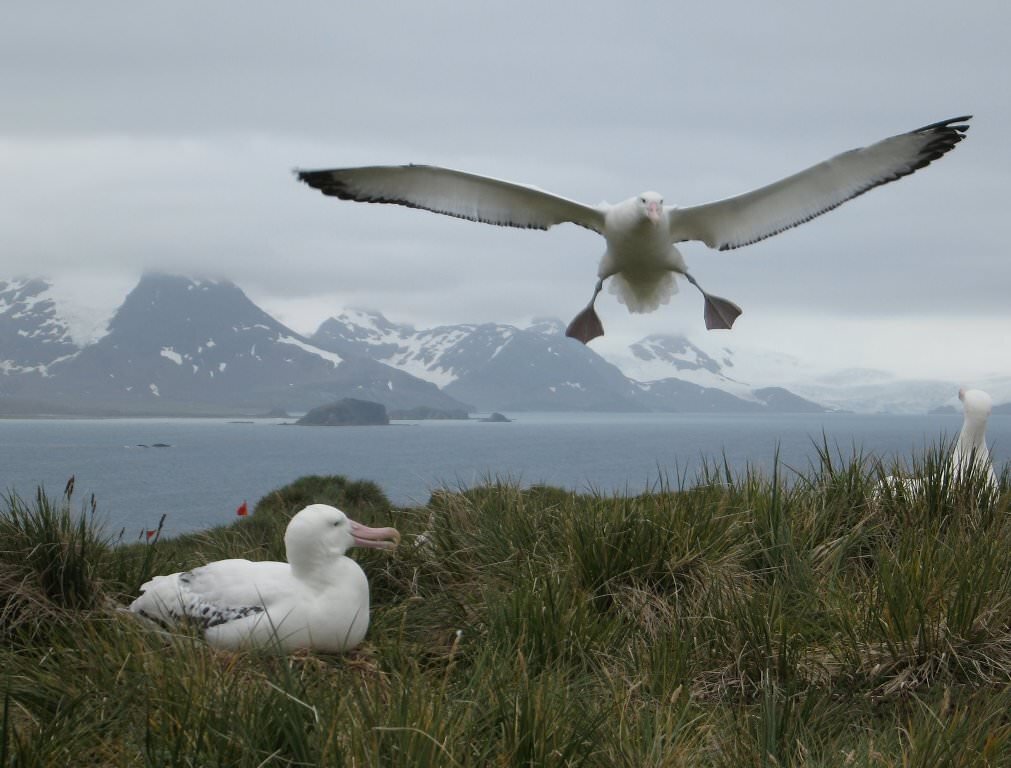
971	447
969	455
641	231
317	600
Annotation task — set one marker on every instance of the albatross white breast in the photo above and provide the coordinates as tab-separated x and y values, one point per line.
970	456
319	599
971	450
641	231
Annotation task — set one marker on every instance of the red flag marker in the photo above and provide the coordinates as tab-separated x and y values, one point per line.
243	510
152	533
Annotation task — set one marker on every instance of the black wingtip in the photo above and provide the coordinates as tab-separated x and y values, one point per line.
942	137
326	183
947	124
948	132
312	178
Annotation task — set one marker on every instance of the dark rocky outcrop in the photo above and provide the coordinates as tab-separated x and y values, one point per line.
497	418
347	412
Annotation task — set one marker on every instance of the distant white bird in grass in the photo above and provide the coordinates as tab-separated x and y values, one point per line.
641	231
970	455
317	600
971	445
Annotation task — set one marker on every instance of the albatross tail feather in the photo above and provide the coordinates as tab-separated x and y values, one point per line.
643	293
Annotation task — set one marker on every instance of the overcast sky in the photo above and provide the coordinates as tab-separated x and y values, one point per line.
138	136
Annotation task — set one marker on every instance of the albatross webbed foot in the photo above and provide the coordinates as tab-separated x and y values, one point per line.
720	313
585	326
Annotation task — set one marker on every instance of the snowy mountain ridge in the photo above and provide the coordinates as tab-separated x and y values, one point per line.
34	333
183	334
178	346
536	367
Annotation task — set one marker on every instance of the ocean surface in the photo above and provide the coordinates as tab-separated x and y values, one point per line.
210	466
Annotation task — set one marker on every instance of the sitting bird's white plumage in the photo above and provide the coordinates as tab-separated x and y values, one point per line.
641	231
970	457
971	447
317	600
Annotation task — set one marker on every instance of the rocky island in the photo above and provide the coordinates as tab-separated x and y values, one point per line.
497	418
347	412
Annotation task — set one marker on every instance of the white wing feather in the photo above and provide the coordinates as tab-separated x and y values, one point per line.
454	193
764	212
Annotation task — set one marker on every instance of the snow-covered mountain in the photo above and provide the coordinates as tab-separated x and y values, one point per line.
749	372
502	367
177	345
33	334
713	361
421	353
879	392
180	345
658	357
495	367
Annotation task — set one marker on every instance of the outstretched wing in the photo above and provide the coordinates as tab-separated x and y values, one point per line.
756	215
454	193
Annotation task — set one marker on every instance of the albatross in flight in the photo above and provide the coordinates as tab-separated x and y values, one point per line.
641	231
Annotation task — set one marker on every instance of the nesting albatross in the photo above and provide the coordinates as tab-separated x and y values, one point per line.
970	450
318	600
641	231
969	454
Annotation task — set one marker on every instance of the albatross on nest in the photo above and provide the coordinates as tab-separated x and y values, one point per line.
319	599
969	454
971	446
641	231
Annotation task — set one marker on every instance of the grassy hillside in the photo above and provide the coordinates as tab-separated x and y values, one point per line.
746	621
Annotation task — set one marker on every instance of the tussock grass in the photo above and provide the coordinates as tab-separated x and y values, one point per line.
814	617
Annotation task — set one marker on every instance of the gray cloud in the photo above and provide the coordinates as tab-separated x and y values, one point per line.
136	137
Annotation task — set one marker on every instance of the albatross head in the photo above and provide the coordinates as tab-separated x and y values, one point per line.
322	531
976	403
651	205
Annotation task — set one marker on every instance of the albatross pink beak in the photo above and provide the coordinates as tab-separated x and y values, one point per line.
376	538
653	212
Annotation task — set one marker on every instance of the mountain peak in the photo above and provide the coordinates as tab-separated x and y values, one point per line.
170	282
71	311
184	310
181	345
673	350
547	326
369	320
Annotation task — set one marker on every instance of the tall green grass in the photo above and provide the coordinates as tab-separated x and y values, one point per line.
812	617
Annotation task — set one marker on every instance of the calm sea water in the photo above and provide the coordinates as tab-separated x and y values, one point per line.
213	465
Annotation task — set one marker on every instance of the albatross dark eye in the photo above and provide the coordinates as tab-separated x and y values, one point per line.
337	522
